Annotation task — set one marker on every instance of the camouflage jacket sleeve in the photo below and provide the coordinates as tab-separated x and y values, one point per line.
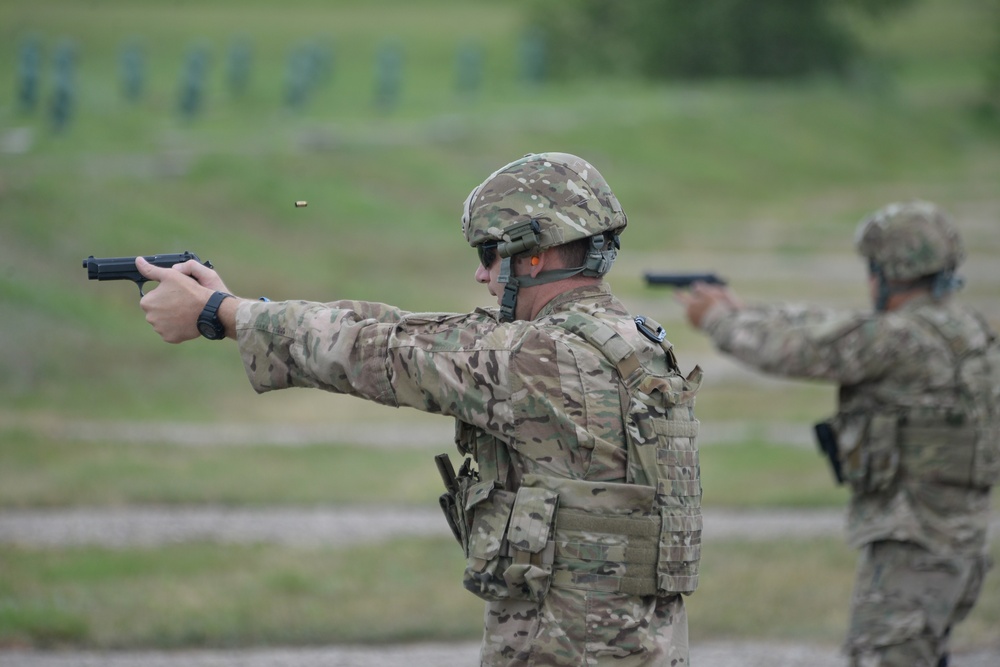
806	342
445	363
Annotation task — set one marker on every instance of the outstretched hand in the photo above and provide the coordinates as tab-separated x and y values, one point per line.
702	297
173	307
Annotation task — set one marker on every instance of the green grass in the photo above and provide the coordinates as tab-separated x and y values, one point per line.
761	475
799	591
204	595
39	472
405	590
35	472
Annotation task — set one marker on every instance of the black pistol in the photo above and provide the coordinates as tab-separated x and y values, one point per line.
123	268
682	280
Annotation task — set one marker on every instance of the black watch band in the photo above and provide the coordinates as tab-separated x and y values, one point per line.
209	324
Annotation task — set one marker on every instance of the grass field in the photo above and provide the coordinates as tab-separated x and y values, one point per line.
763	183
407	590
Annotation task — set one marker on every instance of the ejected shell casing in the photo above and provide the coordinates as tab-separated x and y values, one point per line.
301	204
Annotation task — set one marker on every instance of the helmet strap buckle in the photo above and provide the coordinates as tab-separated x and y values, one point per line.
509	299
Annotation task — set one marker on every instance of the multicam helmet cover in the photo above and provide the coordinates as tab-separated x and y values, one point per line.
909	240
564	194
538	202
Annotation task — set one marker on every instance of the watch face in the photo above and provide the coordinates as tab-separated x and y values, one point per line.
208	330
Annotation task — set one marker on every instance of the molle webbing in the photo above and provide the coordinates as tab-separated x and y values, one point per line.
958	443
638	557
628	567
644	553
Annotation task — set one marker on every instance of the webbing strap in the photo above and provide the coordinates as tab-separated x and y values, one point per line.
604	583
958	345
676	429
639	556
617	525
611	344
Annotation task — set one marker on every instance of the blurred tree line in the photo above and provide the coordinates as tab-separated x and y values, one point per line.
688	39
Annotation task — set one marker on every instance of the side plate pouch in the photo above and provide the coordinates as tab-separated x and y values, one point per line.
531	547
488	509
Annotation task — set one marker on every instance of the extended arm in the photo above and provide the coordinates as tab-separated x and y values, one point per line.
794	341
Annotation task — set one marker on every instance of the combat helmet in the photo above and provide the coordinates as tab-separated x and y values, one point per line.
906	241
540	201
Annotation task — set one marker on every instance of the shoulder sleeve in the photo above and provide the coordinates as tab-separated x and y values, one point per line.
807	342
445	363
456	365
338	346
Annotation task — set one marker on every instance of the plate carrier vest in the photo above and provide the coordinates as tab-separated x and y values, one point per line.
641	537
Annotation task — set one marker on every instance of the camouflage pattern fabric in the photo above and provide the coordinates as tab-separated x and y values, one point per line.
529	398
564	194
902	413
605	629
905	602
908	240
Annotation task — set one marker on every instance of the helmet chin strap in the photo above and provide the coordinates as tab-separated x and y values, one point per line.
512	283
600	257
944	283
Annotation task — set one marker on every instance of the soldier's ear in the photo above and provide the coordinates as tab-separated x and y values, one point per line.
537	263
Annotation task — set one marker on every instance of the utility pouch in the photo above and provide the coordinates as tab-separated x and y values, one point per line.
511	549
882	451
488	507
945	450
532	550
850	431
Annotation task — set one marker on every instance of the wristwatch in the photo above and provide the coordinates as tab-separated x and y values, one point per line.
208	322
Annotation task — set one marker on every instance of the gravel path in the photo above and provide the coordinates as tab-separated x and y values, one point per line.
709	654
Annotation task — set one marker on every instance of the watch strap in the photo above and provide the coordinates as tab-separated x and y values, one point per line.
210	316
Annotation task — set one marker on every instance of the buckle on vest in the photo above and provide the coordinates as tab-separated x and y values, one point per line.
646	330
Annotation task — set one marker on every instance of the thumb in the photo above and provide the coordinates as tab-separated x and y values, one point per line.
150	271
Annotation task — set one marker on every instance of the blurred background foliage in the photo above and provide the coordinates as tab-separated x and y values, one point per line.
133	128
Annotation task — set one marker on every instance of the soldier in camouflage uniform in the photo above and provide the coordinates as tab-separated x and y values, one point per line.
578	502
916	429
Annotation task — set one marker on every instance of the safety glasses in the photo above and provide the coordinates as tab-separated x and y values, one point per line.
487	253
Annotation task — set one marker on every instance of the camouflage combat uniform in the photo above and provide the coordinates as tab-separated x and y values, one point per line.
581	517
918	440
